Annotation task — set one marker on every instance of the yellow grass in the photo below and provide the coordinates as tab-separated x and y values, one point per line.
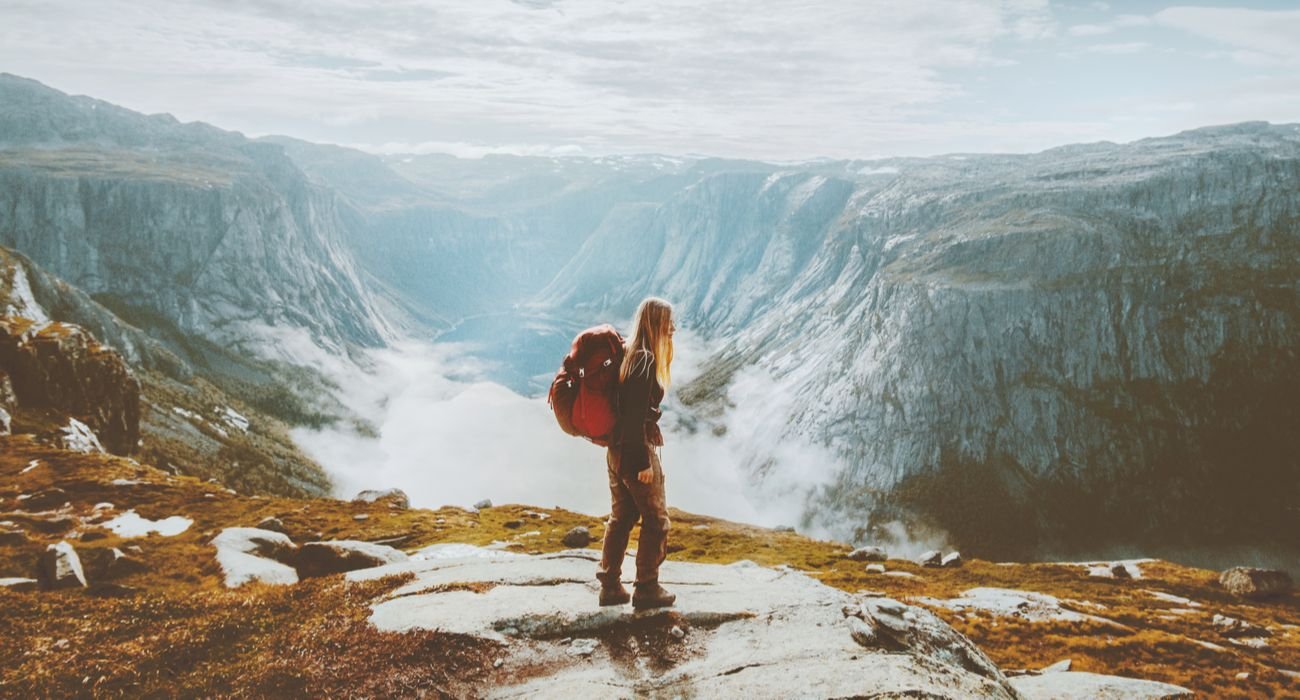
185	634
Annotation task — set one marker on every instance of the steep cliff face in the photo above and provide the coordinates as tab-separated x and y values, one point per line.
1094	344
215	233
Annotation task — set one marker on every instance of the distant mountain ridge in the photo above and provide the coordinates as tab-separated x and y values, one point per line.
199	225
1088	346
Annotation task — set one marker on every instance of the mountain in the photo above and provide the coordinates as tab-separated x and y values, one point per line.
1091	345
210	232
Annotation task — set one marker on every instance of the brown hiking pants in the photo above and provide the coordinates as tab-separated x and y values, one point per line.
631	500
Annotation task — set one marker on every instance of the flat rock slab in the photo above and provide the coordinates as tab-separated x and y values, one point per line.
1075	685
748	629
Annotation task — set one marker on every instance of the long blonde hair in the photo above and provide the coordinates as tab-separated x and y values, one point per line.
650	341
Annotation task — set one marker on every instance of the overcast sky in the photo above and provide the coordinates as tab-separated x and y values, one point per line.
778	80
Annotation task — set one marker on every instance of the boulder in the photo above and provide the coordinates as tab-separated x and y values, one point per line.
1232	627
339	556
395	497
875	568
1254	583
868	554
952	560
577	538
932	558
1120	572
247	554
783	528
513	524
485	503
273	524
6	422
60	567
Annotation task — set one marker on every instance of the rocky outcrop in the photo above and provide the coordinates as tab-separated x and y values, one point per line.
339	556
396	498
61	567
1255	583
60	367
742	630
246	554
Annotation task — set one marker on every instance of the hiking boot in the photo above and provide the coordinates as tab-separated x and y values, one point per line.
651	595
614	595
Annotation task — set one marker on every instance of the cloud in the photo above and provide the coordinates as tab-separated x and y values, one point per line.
1263	37
1119	48
448	435
766	79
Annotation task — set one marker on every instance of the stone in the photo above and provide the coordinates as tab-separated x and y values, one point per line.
395	497
247	554
753	631
862	632
1120	572
932	558
6	423
875	568
868	554
677	632
273	524
92	535
577	538
783	528
952	560
18	584
61	567
1077	685
513	524
1233	627
12	538
339	556
360	517
485	503
1254	583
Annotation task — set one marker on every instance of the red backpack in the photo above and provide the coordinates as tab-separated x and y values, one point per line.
584	395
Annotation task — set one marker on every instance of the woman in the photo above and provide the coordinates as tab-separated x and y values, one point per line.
636	479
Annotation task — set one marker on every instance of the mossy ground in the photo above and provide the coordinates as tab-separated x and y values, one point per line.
183	634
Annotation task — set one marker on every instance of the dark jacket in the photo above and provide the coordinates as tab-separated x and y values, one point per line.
637	427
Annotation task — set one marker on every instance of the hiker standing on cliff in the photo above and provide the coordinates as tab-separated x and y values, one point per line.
636	479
